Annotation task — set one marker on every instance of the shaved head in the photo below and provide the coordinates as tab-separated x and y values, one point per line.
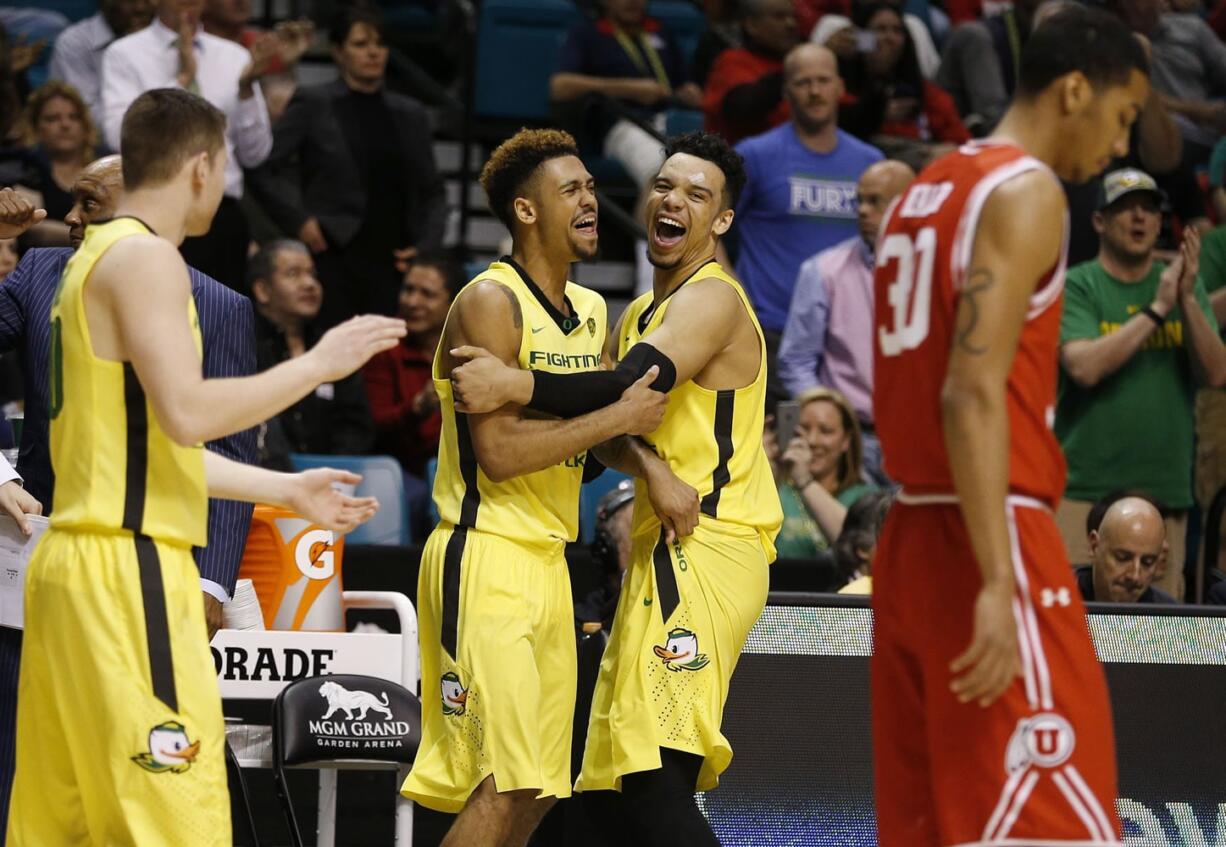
95	194
1128	549
880	183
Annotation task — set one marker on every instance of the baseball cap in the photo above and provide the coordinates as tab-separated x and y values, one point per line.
1121	183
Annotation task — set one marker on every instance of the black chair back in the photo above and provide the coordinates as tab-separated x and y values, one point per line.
341	721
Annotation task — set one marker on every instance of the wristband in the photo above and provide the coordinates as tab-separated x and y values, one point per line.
1149	312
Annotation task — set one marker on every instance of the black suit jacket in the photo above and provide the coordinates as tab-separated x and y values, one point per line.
312	171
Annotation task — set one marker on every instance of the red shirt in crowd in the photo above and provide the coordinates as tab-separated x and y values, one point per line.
393	379
941	120
735	67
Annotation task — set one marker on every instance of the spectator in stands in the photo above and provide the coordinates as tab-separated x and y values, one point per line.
744	91
352	175
616	74
1135	336
822	473
856	544
399	382
77	57
828	338
1127	550
800	197
58	125
1188	68
980	60
848	40
230	19
173	52
888	101
334	419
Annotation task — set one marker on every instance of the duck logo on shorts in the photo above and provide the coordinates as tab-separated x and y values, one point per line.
681	652
591	327
1045	740
455	695
169	749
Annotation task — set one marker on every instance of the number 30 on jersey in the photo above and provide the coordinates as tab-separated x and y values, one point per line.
910	294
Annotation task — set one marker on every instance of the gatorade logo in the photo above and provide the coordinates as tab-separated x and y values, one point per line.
314	555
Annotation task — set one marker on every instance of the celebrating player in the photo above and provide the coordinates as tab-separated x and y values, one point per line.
497	622
119	720
990	710
689	601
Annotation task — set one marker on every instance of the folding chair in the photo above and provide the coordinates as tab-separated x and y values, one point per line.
340	722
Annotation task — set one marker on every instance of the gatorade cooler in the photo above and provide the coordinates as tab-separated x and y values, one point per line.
295	567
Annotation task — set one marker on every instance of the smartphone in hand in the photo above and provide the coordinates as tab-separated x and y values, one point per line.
787	416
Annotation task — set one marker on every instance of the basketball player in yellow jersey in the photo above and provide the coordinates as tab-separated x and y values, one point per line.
686	607
496	618
119	730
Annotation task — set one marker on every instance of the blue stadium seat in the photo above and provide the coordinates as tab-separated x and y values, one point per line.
382	478
590	496
518	42
683	20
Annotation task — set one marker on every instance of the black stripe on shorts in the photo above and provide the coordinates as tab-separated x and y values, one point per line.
138	450
157	625
452	558
668	595
725	402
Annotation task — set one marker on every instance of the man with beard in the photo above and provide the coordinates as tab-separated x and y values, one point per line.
25	325
1137	338
496	620
692	593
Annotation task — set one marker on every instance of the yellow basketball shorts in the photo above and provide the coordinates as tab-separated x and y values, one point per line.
120	739
497	632
683	616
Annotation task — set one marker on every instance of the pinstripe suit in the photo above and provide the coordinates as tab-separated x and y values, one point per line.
226	324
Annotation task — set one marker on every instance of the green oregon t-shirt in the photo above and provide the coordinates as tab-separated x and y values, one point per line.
800	537
1134	429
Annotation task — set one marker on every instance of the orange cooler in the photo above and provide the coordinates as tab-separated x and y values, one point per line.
296	568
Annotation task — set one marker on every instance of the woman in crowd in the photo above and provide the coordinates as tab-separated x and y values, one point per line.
59	127
820	472
888	101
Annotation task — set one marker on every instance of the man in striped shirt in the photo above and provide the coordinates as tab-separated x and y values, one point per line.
227	327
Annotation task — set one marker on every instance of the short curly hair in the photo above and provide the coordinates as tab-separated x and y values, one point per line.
714	149
515	161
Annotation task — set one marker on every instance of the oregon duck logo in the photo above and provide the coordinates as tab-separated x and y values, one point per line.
591	327
454	694
169	749
681	652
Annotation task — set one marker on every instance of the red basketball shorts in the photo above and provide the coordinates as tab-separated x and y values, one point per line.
1035	768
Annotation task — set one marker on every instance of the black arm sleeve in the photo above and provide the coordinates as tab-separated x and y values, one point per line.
752	102
575	394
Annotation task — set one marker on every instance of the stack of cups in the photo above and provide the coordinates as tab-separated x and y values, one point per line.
243	610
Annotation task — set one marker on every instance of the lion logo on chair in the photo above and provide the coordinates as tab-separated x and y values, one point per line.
349	702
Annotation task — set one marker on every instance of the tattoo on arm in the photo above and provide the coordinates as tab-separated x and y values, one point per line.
978	281
516	314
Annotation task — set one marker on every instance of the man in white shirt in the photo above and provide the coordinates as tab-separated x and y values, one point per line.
77	56
174	52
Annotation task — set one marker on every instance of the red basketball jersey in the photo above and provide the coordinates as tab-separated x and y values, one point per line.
922	257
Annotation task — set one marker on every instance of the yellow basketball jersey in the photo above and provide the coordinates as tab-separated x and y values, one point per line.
711	439
535	507
115	468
